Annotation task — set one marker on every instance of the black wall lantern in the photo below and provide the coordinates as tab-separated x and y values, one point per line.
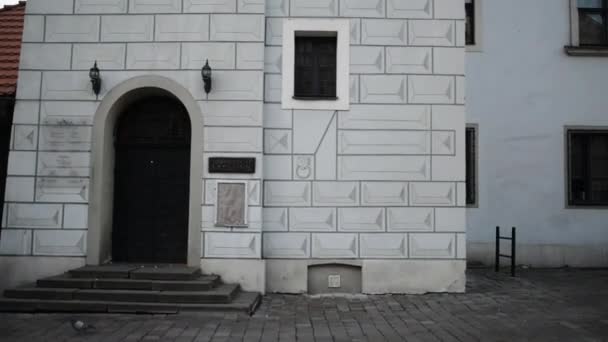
95	79
206	72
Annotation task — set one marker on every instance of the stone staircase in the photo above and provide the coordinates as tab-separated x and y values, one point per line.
130	289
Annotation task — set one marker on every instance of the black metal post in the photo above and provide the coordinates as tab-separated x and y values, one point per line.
497	262
513	252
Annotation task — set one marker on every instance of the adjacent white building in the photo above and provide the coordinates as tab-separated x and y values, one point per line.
352	112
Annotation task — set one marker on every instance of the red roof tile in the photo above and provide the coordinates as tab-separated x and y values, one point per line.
11	29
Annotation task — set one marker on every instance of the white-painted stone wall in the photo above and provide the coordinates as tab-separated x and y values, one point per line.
522	91
380	184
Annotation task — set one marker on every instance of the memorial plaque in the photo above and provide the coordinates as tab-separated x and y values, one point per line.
231	204
231	165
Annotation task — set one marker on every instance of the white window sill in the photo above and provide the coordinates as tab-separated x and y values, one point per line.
586	51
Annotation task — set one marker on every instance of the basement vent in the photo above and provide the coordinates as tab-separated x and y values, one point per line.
231	204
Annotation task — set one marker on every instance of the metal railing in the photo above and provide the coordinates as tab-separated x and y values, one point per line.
500	255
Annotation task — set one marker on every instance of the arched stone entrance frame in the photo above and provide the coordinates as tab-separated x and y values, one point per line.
99	237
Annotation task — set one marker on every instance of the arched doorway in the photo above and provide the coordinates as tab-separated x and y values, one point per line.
151	182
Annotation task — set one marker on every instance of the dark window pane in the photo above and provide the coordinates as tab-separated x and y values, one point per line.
469	7
315	67
592	27
588	167
471	163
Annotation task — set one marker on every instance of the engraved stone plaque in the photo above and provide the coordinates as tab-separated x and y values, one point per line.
231	204
231	165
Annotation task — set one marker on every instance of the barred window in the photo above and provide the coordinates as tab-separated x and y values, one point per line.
315	67
469	7
587	167
471	164
592	22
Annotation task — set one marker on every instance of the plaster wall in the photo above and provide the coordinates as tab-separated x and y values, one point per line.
522	91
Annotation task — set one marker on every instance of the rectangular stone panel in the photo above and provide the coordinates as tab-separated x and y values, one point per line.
394	168
361	219
127	28
332	245
25	137
461	246
19	189
232	245
75	216
237	85
433	194
312	219
219	55
354	81
449	61
16	242
155	6
409	60
107	56
366	59
64	164
276	117
286	245
149	56
33	28
355	31
65	138
335	194
21	163
383	89
101	6
362	8
274	31
383	142
273	59
384	193
410	219
250	56
431	89
62	190
432	246
60	242
444	143
233	139
67	85
460	90
192	27
277	8
275	219
28	87
287	194
384	246
209	6
34	215
314	8
67	113
82	28
49	7
251	6
383	32
277	167
232	113
450	220
410	9
26	112
277	141
232	27
386	117
272	88
45	56
432	32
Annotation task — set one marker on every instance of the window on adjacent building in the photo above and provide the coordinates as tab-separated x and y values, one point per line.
315	67
592	22
471	164
469	7
587	167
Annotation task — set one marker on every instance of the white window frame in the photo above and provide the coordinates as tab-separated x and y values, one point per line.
245	205
342	28
477	47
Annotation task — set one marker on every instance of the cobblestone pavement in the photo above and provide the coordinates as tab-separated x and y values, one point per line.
540	305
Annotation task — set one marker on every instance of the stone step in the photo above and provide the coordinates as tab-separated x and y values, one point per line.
202	283
120	271
245	302
222	294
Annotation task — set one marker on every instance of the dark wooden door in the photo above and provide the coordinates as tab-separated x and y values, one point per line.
6	121
152	183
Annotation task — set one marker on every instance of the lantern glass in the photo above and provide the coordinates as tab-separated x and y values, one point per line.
207	71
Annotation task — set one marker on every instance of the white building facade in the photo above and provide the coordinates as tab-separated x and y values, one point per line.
361	191
526	95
